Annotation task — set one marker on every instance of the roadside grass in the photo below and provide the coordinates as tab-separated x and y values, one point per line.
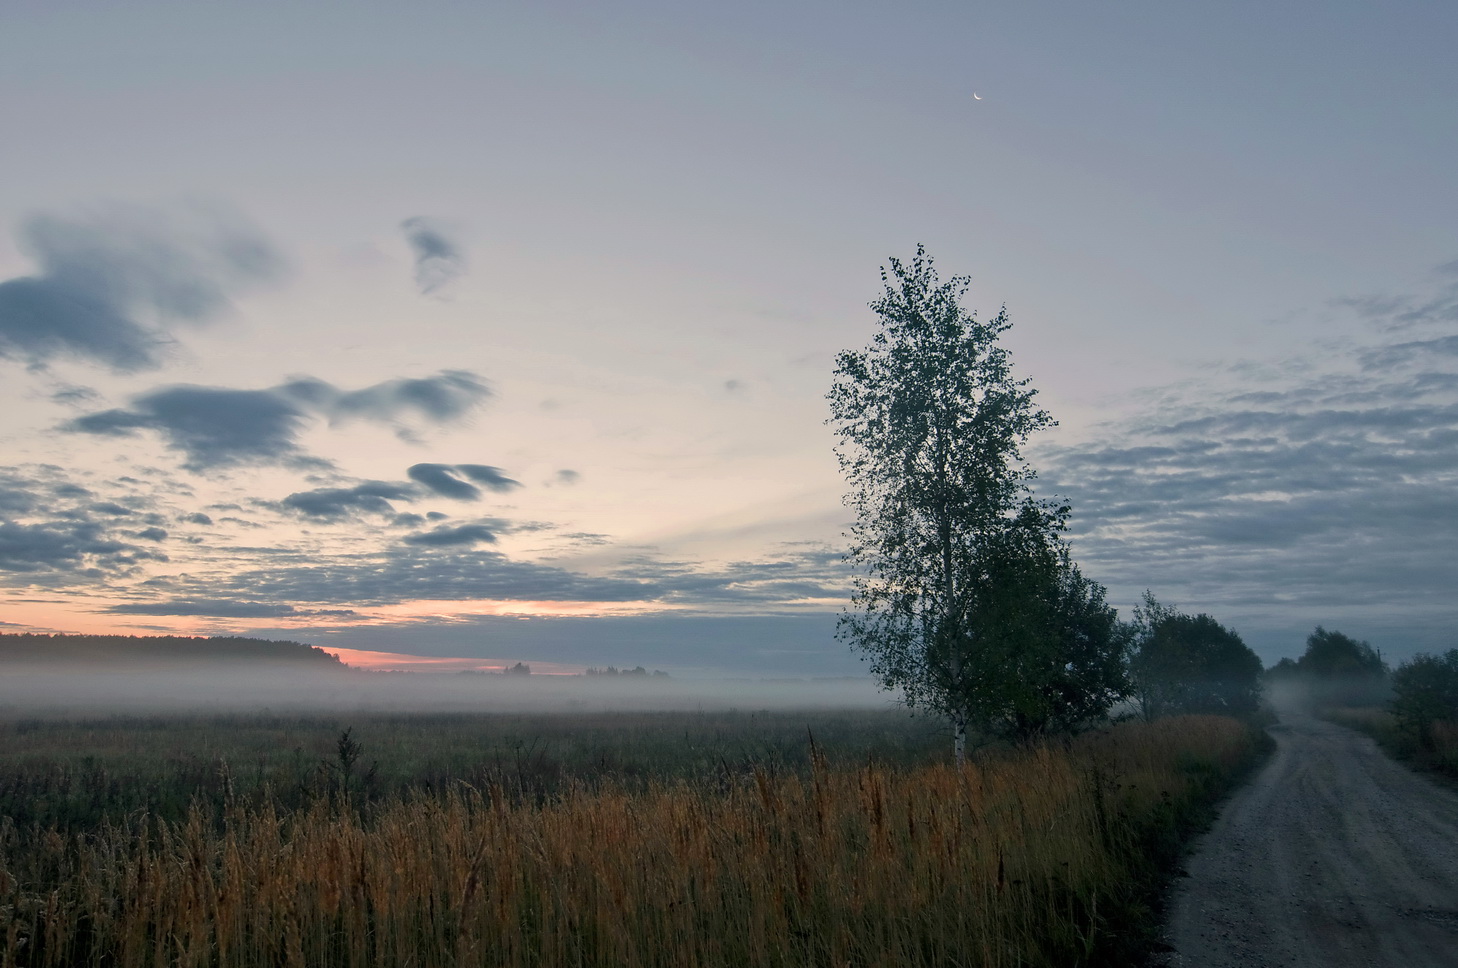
1041	855
1380	724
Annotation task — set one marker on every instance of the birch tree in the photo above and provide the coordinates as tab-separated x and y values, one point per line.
963	589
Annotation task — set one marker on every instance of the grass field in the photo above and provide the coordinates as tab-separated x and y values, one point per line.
704	839
75	774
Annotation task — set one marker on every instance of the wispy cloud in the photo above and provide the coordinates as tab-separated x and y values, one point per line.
405	572
110	283
212	426
447	396
1330	492
333	503
439	258
49	525
216	427
72	546
441	479
445	536
220	608
1400	311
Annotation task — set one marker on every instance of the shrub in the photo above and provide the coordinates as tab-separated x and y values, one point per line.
1425	691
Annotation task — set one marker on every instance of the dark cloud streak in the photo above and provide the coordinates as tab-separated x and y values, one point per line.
216	427
441	479
333	503
444	536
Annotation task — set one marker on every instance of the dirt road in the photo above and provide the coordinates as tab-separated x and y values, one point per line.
1334	855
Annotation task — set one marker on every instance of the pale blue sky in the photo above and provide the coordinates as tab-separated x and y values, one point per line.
1216	226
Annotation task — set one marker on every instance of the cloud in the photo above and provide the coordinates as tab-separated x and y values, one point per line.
218	427
1400	311
212	426
1412	351
794	574
60	545
441	479
439	259
73	395
1326	496
444	536
110	283
587	538
568	477
220	609
332	503
447	396
409	572
491	477
49	525
111	507
375	497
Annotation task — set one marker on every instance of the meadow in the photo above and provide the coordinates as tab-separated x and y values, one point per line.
622	839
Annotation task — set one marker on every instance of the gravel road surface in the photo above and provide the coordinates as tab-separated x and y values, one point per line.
1334	855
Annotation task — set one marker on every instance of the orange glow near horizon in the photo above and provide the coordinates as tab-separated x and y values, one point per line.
404	662
426	608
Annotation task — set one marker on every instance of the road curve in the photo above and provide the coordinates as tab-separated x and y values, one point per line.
1333	855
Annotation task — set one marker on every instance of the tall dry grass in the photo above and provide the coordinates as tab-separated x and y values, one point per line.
1042	856
1380	724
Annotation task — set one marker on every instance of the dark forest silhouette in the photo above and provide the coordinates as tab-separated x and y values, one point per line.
130	650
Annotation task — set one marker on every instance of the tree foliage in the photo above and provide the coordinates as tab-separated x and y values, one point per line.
1425	691
1190	664
1335	669
94	651
965	599
1332	655
1338	669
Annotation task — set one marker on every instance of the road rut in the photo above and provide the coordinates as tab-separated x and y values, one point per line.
1333	855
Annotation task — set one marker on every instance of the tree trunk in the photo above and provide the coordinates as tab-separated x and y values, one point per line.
959	739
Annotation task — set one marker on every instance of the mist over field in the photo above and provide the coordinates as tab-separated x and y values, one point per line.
39	690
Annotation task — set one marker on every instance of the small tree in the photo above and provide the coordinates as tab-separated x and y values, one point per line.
1093	648
1284	671
1158	666
961	568
1425	691
1337	668
1190	664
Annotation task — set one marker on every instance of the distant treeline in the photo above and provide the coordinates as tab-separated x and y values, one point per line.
614	671
93	650
522	669
1339	671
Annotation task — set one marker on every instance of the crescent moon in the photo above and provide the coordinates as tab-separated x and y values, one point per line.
976	96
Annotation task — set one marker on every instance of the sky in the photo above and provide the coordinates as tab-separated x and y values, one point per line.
503	331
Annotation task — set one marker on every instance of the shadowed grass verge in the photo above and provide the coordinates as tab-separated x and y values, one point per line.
1046	855
1399	743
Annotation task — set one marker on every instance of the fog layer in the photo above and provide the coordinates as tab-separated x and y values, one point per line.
41	690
